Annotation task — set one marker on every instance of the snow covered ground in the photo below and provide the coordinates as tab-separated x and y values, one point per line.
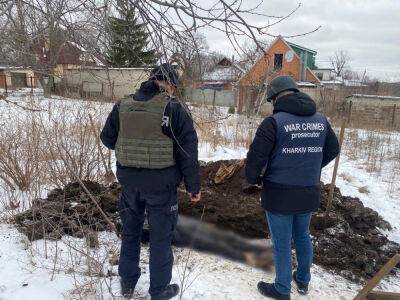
60	270
27	274
352	177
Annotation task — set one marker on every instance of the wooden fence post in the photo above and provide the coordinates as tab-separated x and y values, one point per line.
213	100
335	168
350	112
378	295
5	82
3	76
81	89
363	293
112	91
394	116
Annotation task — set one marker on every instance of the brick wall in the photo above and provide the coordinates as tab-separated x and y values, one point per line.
264	67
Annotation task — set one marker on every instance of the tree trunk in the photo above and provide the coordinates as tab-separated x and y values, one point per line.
47	87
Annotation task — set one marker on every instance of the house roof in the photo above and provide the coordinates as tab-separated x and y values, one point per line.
213	82
226	74
323	69
224	70
345	82
105	68
375	97
354	83
240	68
305	84
10	68
332	82
70	53
224	62
301	47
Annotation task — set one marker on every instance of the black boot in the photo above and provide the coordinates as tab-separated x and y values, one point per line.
127	290
170	291
302	288
269	290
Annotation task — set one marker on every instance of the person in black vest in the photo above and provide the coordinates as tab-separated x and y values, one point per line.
155	144
285	158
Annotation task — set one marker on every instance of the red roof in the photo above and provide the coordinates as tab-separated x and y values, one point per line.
69	53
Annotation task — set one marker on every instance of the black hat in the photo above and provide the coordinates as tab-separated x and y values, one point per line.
280	84
165	72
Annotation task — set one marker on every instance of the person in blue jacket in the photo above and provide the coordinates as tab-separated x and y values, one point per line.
155	144
285	158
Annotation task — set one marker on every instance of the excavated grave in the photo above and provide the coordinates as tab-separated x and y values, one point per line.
350	241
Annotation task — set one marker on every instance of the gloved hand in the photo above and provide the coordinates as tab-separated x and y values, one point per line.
253	188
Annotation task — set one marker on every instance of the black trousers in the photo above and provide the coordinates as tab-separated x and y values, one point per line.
162	213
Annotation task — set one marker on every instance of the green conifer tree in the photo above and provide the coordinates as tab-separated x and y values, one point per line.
128	40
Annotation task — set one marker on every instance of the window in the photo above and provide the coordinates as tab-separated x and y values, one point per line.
278	59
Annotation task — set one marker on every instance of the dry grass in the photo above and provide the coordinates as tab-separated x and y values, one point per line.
363	190
36	145
218	127
374	148
376	151
346	177
19	154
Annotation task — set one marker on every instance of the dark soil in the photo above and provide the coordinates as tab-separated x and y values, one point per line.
348	241
70	211
225	205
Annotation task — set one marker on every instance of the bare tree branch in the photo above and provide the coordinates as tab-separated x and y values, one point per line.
339	62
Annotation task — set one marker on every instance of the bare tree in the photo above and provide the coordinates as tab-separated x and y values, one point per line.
250	52
361	76
190	57
34	32
339	62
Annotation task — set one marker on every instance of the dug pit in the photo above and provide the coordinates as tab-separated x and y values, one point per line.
350	241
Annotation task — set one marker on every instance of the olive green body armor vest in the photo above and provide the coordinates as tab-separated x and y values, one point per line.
141	142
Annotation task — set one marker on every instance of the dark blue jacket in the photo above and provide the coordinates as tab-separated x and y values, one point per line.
185	148
284	196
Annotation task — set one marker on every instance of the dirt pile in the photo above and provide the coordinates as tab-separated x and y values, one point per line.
348	242
70	211
225	204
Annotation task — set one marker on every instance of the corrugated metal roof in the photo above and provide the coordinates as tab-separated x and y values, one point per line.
306	84
375	97
231	73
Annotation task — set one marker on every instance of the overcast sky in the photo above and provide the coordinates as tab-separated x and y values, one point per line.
368	29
